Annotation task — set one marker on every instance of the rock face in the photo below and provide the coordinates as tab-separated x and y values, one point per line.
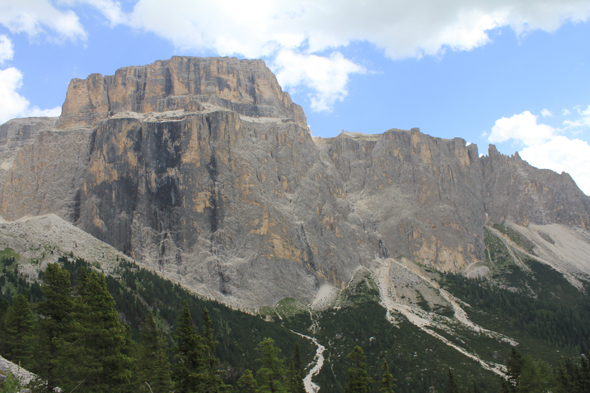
17	133
247	87
204	170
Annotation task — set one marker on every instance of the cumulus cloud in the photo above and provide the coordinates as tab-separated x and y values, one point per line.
545	147
522	128
110	9
326	76
275	29
13	104
579	121
281	28
546	112
562	154
400	28
6	51
37	16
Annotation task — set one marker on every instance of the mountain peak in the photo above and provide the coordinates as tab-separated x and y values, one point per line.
247	87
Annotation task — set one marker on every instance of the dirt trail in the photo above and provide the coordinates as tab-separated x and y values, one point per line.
310	386
421	319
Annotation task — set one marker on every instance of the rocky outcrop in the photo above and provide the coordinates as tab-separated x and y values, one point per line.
243	210
246	87
203	170
515	189
422	196
46	176
17	133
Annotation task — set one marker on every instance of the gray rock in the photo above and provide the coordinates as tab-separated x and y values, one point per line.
243	86
205	171
17	133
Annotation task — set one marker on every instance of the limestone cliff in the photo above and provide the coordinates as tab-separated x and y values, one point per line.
16	134
204	170
247	87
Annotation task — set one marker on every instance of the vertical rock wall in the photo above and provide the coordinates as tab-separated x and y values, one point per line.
204	170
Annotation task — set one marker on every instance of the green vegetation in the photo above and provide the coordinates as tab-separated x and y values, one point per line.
229	338
540	309
418	361
135	331
387	383
288	307
358	378
12	282
524	243
153	365
11	384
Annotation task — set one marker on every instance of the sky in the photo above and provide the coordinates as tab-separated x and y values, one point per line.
511	73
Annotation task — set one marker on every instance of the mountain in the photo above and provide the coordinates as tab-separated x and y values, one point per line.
204	171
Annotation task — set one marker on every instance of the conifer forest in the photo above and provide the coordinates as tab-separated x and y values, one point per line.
78	329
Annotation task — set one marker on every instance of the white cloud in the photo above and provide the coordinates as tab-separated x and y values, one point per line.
565	112
110	9
401	28
562	155
522	128
13	104
35	16
6	51
545	148
282	28
35	111
273	28
326	76
581	120
546	112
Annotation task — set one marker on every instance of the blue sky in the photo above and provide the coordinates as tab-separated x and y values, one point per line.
513	73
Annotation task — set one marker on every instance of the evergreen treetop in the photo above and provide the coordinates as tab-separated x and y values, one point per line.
358	378
189	355
153	366
387	383
271	374
17	334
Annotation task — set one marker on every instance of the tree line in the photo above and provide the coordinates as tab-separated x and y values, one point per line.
524	374
564	323
73	339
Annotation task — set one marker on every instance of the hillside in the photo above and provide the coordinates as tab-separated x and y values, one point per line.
202	172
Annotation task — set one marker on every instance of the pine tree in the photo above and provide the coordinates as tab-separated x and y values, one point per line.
296	372
212	380
18	332
452	386
247	383
564	382
271	375
4	305
514	365
153	366
106	338
584	374
473	388
535	376
187	371
387	383
358	379
54	325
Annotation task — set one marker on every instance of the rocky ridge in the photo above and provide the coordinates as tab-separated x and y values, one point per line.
205	171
